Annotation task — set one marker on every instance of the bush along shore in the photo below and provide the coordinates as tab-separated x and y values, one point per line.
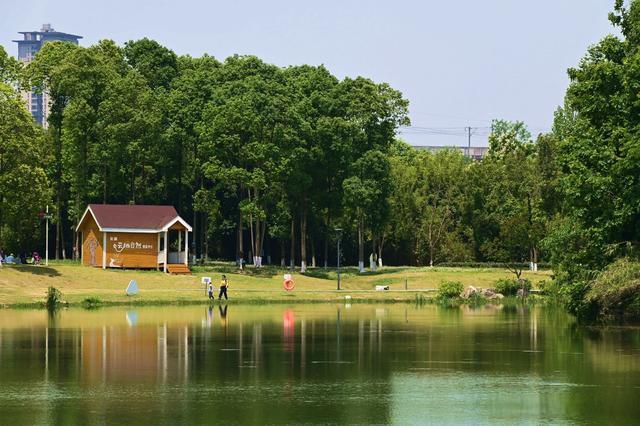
612	295
453	293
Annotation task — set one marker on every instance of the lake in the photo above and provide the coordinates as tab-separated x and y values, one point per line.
315	363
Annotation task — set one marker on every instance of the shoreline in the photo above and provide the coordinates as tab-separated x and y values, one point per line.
25	287
86	304
417	299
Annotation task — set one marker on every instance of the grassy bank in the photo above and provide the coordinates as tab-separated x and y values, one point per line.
25	285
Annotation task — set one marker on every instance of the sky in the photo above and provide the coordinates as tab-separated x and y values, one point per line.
460	63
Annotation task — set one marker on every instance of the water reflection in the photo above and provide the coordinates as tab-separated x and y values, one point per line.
316	363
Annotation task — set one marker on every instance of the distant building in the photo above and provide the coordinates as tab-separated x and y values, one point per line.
474	152
38	103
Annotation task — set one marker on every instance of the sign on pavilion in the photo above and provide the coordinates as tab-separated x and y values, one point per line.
134	236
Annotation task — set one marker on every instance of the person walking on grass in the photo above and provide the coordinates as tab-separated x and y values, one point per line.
224	284
211	291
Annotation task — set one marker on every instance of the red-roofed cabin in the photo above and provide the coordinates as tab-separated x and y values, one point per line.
131	236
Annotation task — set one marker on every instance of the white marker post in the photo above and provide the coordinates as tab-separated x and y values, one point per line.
205	281
46	239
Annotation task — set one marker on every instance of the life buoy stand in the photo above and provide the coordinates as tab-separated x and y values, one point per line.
288	282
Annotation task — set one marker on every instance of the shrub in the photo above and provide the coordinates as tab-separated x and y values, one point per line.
510	287
91	302
54	298
615	291
449	290
550	288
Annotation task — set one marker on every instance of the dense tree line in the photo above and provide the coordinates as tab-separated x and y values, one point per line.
263	160
596	235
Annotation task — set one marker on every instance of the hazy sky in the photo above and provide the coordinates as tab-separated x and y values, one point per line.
460	63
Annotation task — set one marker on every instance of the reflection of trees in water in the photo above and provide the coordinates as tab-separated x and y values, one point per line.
292	367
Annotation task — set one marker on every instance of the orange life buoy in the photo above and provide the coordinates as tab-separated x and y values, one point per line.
289	284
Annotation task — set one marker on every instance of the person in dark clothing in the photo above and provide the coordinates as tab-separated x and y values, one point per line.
224	284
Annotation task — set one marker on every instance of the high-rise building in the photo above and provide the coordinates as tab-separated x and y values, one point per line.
38	103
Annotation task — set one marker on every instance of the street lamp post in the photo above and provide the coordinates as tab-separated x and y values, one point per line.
46	249
339	232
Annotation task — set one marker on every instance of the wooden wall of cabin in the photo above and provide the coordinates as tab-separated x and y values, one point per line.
132	250
91	244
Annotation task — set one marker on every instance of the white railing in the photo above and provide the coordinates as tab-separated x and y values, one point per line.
176	257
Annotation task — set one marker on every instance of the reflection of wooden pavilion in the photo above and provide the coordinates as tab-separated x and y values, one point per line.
134	236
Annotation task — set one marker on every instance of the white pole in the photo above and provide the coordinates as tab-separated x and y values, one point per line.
104	250
46	250
158	251
186	246
179	244
166	251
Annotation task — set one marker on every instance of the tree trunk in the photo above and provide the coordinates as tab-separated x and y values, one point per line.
133	179
253	240
372	260
205	237
104	184
380	252
303	241
326	241
534	259
313	254
75	248
260	243
292	258
283	254
201	234
64	250
326	252
58	224
360	246
239	243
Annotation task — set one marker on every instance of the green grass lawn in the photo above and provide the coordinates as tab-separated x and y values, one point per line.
26	285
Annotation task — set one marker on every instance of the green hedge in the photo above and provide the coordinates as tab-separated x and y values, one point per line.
524	266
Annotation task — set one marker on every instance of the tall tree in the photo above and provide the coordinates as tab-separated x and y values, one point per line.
25	187
42	74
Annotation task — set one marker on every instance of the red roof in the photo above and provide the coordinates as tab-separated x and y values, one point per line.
132	216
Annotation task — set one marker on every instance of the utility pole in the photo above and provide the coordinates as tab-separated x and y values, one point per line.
469	142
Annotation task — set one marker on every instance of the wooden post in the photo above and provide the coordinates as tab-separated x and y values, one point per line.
186	247
104	250
166	251
179	244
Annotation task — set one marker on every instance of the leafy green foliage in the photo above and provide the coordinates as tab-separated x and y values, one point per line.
597	151
278	157
510	287
615	291
449	290
25	187
53	299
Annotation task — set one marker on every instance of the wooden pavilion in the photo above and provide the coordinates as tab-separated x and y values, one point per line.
134	236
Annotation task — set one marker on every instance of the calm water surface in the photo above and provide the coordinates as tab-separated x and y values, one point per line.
362	364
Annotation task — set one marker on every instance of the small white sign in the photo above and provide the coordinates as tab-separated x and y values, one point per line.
132	288
206	280
287	277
